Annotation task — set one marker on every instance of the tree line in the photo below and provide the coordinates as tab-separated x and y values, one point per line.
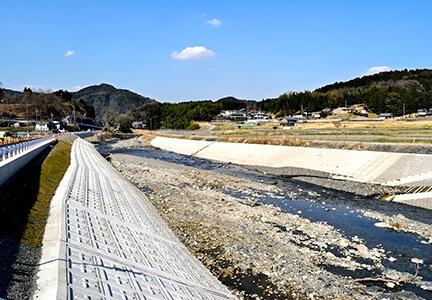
395	100
395	92
180	115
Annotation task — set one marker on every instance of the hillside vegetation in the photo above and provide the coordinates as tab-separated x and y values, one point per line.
384	92
109	101
181	115
41	105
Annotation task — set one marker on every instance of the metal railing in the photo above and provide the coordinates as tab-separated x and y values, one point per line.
11	150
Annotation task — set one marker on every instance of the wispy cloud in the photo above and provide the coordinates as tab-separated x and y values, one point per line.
69	53
214	22
193	53
214	69
376	70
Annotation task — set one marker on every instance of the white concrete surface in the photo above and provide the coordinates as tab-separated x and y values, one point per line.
186	147
106	241
423	201
362	166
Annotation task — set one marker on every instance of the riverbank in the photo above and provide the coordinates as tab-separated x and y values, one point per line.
259	250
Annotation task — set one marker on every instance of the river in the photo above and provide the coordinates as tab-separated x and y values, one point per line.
404	252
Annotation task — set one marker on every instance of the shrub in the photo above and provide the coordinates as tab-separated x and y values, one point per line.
193	126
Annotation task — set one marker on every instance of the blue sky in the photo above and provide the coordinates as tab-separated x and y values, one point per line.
175	51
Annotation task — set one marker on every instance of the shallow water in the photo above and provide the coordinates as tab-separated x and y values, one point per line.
336	208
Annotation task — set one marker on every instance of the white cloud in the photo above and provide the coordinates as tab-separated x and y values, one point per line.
214	69
69	53
376	70
197	53
214	22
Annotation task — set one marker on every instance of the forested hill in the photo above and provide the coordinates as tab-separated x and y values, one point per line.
384	92
11	92
181	115
109	101
420	79
231	102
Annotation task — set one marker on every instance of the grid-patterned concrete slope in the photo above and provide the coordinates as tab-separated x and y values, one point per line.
113	244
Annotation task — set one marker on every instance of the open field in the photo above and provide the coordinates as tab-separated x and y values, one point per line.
408	131
349	124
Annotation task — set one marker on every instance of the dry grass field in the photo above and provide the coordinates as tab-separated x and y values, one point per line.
400	131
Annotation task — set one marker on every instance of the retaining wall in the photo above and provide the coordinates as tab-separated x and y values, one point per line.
361	166
105	240
14	157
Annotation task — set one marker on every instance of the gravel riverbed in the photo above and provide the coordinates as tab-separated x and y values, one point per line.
261	251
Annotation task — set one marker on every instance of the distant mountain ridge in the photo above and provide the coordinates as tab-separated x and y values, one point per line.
235	100
398	92
421	79
110	101
11	92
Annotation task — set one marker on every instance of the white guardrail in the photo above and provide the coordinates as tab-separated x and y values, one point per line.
15	156
12	150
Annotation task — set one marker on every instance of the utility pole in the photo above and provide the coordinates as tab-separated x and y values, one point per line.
28	133
36	119
404	110
73	117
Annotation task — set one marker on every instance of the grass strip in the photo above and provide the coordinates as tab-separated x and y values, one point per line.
51	173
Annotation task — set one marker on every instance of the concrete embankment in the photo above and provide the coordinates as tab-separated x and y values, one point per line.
104	239
384	168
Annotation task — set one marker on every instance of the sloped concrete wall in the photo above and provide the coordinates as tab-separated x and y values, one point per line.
105	240
362	166
186	147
